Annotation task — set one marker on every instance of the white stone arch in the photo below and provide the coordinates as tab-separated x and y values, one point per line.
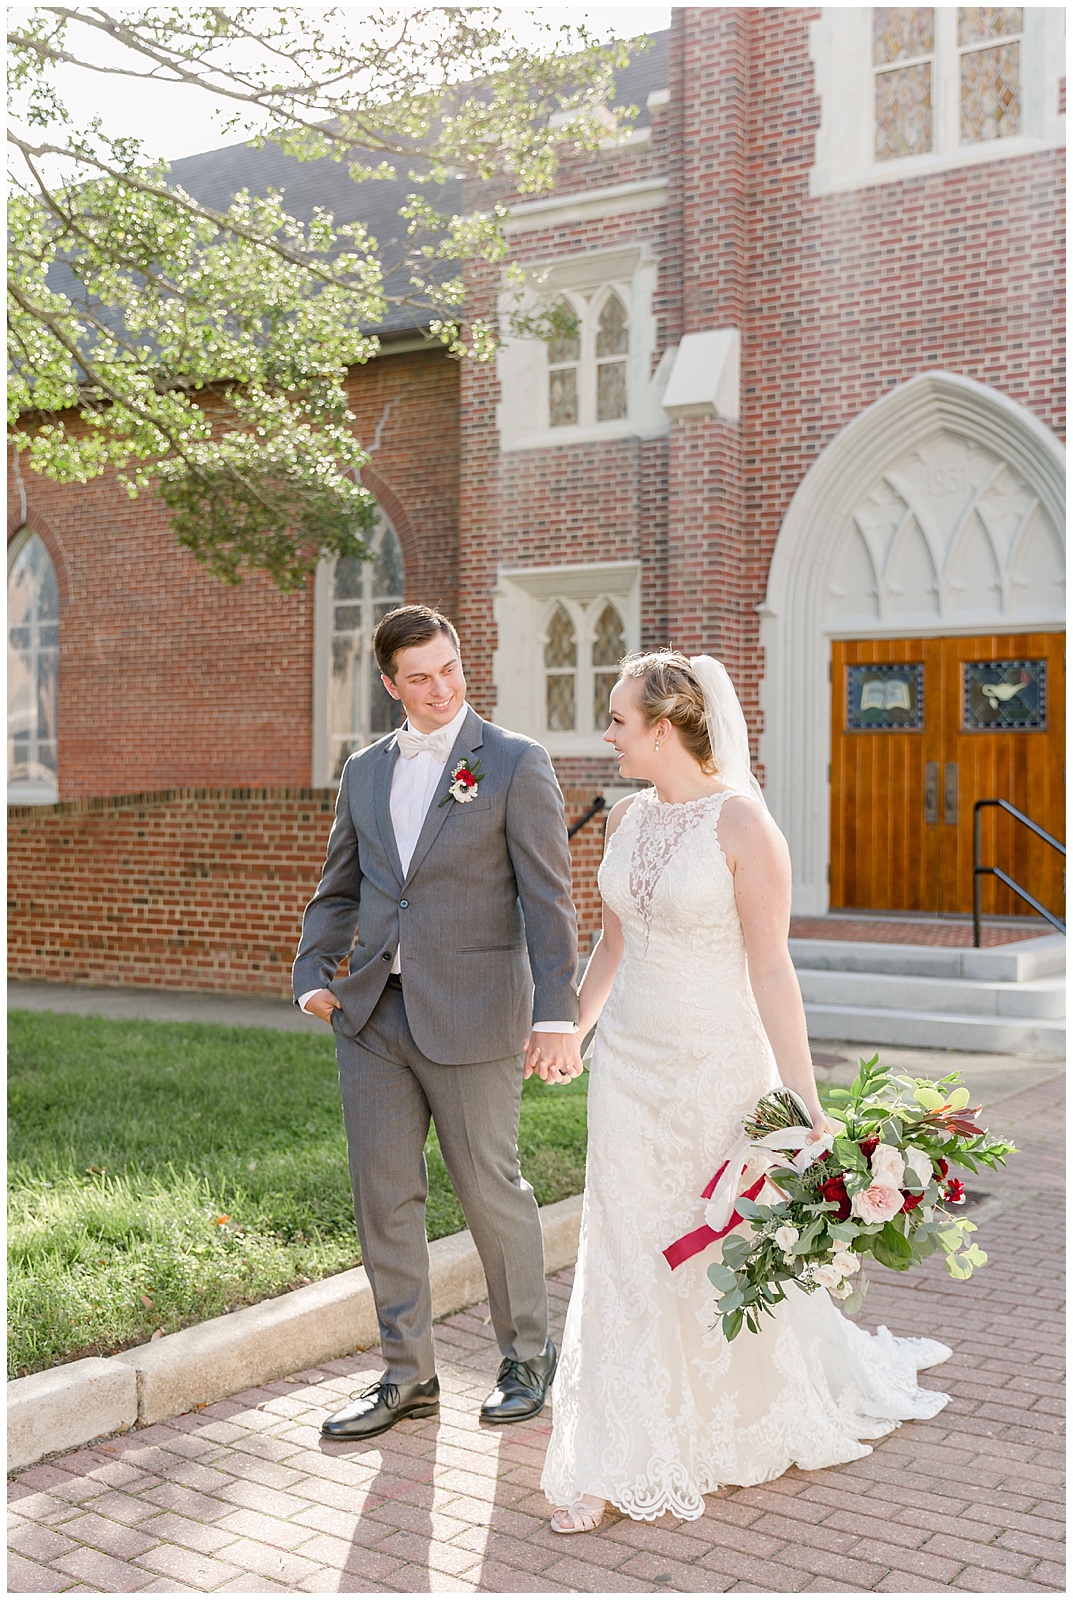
868	549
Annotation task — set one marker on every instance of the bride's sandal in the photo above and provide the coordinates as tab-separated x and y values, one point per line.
581	1517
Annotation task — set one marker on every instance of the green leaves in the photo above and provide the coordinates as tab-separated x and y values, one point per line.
205	351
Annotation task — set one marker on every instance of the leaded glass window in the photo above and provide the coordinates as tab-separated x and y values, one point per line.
564	355
608	649
560	672
362	592
33	660
1004	695
989	77
885	697
903	47
612	345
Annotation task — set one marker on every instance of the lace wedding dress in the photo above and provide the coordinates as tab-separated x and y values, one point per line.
652	1407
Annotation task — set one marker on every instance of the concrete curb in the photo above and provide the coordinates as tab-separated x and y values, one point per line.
71	1405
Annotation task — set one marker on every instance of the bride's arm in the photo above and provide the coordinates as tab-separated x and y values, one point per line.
757	855
603	963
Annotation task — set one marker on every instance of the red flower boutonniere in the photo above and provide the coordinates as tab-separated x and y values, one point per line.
464	782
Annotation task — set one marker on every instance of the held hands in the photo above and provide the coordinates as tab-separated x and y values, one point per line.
322	1004
554	1057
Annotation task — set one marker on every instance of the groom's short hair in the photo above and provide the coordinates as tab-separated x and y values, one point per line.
406	627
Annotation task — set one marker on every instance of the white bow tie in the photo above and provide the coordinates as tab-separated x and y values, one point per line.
437	744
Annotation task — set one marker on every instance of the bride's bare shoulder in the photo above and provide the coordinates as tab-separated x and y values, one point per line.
617	812
745	823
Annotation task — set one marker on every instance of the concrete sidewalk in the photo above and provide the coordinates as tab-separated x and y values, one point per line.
244	1497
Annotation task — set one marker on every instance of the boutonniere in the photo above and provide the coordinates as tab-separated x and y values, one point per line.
464	782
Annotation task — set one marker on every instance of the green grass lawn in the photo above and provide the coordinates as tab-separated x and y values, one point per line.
161	1173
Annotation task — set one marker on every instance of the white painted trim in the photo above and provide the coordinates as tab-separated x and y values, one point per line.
321	709
592	204
794	634
520	600
840	49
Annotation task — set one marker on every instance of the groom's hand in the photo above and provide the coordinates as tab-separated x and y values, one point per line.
322	1004
554	1057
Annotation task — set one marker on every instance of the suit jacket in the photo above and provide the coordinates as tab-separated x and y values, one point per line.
489	933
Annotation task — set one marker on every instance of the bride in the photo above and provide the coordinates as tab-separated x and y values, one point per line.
699	1015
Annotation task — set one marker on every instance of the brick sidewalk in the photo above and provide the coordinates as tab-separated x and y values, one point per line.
244	1498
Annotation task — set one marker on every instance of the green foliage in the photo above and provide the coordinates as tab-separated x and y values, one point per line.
205	351
927	1123
162	1173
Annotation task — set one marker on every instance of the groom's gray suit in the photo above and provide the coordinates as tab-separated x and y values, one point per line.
487	935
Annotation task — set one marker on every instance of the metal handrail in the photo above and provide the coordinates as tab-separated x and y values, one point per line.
979	872
594	810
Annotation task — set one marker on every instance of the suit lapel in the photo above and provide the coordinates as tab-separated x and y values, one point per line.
470	738
382	805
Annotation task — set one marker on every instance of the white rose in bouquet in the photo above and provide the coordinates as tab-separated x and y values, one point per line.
828	1276
786	1236
846	1263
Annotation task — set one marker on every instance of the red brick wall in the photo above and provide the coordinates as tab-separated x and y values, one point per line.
187	888
167	676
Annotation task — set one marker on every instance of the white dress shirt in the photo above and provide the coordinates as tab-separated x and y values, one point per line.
413	783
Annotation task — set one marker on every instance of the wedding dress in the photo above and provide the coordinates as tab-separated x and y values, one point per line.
653	1408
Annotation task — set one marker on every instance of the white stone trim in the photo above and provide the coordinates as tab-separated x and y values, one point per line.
521	600
840	48
795	634
705	380
522	363
591	205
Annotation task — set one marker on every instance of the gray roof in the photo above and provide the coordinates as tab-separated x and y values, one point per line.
217	175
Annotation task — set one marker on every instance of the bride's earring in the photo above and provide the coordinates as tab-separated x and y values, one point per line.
657	744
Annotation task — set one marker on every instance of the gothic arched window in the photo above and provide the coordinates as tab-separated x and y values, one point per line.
560	671
33	658
361	592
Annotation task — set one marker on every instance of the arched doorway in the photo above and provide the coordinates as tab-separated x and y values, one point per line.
924	552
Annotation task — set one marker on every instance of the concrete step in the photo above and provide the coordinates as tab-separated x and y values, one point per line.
1036	998
937	1030
1018	962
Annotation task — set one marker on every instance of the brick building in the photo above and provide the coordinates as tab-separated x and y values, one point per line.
810	423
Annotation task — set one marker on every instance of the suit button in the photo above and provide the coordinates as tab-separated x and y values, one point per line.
385	956
404	904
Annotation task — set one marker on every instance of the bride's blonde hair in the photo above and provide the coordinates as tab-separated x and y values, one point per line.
669	689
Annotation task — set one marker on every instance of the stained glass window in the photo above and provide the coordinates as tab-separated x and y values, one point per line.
885	697
608	649
978	24
33	659
560	664
1004	695
362	592
903	44
564	353
991	93
612	344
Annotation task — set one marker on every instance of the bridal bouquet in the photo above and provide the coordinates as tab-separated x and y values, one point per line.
879	1188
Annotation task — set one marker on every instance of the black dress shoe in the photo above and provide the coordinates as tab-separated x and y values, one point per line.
521	1387
379	1408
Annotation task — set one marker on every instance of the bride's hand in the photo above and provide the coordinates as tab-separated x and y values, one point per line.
821	1128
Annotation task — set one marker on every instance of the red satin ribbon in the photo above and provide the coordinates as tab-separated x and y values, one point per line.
691	1244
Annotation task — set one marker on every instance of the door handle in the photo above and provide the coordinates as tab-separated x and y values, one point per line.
950	793
931	791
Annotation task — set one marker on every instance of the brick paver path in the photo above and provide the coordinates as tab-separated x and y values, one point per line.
244	1498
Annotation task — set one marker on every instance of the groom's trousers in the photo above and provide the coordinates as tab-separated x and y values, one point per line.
389	1091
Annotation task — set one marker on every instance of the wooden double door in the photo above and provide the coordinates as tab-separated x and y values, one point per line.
921	730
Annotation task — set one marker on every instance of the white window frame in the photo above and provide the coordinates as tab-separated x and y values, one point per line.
524	599
323	631
523	414
31	791
841	49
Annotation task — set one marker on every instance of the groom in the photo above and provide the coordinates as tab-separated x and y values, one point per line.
449	858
